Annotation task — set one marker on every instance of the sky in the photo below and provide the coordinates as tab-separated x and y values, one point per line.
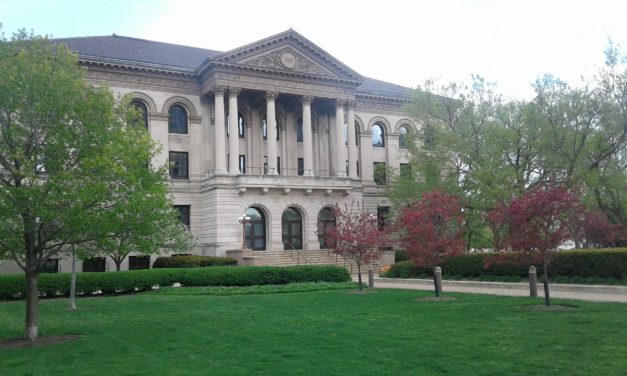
404	42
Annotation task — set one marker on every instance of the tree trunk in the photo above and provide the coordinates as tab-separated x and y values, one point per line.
73	282
547	296
359	274
32	303
118	263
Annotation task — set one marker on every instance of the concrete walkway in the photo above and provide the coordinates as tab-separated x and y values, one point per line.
596	293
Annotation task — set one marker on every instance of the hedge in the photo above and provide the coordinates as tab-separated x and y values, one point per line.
597	263
192	261
56	284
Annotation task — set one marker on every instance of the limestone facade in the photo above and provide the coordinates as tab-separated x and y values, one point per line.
235	103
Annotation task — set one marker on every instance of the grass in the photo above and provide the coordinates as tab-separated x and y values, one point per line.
384	332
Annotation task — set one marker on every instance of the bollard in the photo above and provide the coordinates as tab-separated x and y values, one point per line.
437	280
370	278
533	282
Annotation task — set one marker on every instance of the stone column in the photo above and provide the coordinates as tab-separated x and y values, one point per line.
340	154
307	137
219	136
271	124
352	148
233	132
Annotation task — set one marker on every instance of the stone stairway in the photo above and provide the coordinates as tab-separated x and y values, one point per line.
304	257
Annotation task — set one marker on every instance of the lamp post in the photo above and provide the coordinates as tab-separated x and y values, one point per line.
244	219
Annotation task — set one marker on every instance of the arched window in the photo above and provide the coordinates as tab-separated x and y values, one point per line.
264	128
403	137
143	111
177	119
241	125
292	225
378	136
356	134
256	230
326	221
299	129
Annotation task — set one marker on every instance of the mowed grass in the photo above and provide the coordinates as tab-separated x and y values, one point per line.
383	332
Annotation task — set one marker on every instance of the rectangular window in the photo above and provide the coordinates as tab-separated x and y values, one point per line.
358	172
379	173
242	164
138	262
50	266
383	213
179	168
278	165
346	165
95	264
184	211
265	164
301	166
241	127
405	170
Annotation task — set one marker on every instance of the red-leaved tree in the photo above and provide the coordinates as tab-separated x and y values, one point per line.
356	236
538	222
431	230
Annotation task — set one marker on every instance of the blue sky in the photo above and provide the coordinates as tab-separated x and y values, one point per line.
400	41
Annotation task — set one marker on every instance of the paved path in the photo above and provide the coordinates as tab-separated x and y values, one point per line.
597	293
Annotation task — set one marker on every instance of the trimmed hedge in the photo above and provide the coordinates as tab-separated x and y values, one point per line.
192	261
597	263
14	286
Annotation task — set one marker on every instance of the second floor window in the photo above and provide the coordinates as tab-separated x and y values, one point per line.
179	167
380	173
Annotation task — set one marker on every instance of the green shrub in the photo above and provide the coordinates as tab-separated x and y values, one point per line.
13	286
192	261
400	255
580	266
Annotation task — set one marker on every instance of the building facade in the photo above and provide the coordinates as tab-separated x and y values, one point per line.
277	129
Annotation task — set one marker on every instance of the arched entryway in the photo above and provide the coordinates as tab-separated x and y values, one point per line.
256	230
326	220
292	229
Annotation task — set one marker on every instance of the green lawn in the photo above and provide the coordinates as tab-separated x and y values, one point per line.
384	332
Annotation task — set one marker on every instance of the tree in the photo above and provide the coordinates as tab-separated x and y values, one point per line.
68	159
355	236
431	230
538	222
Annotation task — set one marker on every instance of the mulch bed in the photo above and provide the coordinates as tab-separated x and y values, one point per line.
20	343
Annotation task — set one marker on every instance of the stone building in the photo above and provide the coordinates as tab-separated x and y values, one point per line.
278	129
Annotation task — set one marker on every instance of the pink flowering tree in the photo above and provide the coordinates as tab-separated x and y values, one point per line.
539	221
355	236
431	230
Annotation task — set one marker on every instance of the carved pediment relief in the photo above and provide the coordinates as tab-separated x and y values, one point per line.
288	59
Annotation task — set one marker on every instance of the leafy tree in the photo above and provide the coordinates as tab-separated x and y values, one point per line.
68	160
538	222
430	230
355	236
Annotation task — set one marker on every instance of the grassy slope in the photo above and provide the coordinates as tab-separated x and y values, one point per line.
386	332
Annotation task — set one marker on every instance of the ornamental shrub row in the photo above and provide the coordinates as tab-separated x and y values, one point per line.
192	261
598	263
14	286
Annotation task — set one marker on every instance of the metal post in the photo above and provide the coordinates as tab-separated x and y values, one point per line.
370	278
533	282
437	280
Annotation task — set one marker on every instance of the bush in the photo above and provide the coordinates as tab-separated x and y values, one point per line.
580	265
400	255
14	286
192	261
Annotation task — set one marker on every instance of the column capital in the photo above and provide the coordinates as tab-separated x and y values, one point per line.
234	91
271	95
307	99
340	102
218	90
351	104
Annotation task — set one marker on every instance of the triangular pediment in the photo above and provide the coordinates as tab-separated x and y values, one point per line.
288	52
